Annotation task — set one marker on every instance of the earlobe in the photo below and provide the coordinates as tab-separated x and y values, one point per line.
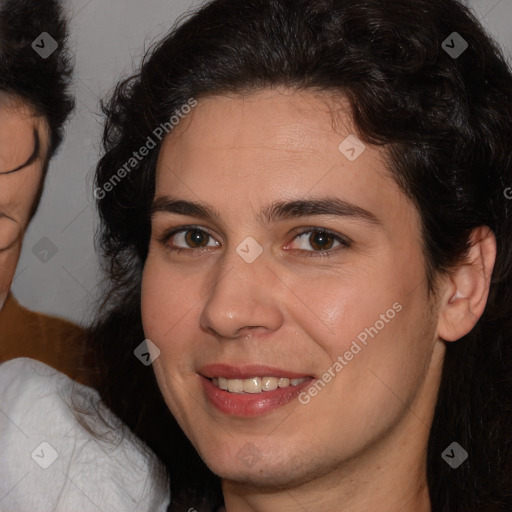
467	287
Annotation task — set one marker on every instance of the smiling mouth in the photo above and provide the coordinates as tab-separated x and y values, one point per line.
254	385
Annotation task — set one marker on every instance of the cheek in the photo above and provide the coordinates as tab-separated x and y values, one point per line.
372	328
154	300
334	310
167	302
385	358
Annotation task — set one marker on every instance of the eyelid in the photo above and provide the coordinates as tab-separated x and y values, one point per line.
6	248
10	233
163	239
344	241
335	234
31	159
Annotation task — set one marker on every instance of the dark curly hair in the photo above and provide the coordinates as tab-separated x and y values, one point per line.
446	124
42	84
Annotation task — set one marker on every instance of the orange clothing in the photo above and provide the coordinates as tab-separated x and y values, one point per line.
53	341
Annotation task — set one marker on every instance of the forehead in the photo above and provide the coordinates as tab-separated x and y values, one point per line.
241	154
291	137
267	133
284	118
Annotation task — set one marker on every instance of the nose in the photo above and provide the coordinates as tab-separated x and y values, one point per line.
246	300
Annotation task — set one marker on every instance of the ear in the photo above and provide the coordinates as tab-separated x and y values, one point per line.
467	287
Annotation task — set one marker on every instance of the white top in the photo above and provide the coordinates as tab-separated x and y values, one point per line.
63	450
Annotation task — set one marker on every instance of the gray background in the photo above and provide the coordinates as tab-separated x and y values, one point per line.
108	38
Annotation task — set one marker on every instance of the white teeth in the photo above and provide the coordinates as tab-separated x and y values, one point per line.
235	385
254	384
269	383
283	382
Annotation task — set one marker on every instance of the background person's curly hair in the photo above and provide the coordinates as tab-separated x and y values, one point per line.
447	126
42	84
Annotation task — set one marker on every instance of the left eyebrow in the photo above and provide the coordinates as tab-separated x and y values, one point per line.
325	206
31	158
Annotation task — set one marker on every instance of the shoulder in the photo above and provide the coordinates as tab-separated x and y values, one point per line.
62	449
33	321
51	340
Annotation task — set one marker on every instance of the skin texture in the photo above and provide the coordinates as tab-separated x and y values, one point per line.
360	443
19	189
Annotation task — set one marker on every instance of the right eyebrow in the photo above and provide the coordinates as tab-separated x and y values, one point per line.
32	157
179	207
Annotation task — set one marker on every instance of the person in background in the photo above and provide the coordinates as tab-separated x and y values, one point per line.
35	102
61	449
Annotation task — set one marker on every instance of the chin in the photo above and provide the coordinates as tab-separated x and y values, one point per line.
260	471
262	477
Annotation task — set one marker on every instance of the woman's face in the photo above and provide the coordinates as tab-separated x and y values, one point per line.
280	251
22	138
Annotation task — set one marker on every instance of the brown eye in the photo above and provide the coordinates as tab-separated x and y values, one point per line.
321	241
196	238
189	239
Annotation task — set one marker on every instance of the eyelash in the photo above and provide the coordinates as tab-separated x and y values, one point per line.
344	242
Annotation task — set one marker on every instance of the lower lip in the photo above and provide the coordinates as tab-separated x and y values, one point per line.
251	404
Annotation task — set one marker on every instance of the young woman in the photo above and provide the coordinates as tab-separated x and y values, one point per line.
305	211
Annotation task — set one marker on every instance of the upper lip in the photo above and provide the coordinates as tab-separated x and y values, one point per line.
247	371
